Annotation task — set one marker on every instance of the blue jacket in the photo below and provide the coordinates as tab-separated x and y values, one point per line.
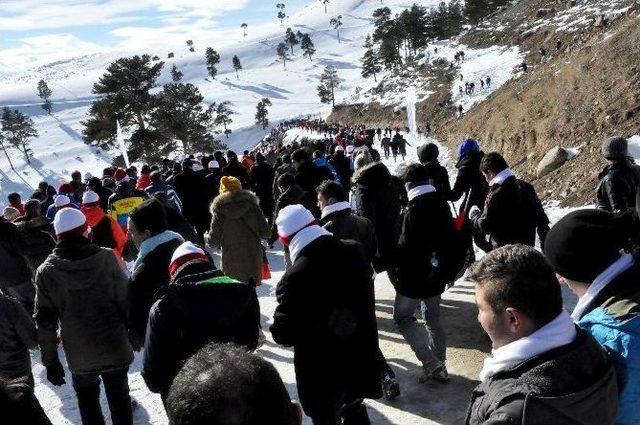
613	319
322	162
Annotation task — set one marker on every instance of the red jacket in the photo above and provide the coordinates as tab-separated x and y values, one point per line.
144	181
19	207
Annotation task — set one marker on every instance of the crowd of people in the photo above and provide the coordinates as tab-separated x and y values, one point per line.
109	266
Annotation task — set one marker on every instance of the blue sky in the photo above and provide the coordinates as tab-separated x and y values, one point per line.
32	29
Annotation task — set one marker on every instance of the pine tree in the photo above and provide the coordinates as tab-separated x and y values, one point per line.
124	94
213	59
291	39
262	113
176	75
281	14
44	92
222	113
4	149
18	130
244	28
329	82
181	116
237	66
325	2
370	61
476	10
283	53
307	46
336	23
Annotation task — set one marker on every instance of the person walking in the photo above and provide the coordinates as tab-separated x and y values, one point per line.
83	290
438	176
105	232
620	179
191	188
262	175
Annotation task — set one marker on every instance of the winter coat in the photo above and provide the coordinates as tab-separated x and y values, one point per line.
143	182
292	196
39	239
46	199
470	181
438	178
105	232
323	163
172	197
83	288
200	305
309	176
237	170
613	319
281	170
17	335
262	184
328	318
191	187
123	201
177	223
213	184
512	215
374	195
14	269
149	278
617	187
346	225
569	385
424	248
342	165
237	227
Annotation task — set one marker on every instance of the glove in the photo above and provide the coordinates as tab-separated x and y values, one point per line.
55	374
474	212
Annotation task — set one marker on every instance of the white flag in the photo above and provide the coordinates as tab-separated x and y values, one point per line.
123	148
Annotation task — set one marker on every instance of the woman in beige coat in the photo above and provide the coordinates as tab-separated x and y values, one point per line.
238	227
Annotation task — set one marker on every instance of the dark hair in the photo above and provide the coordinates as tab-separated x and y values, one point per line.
155	177
332	190
145	169
286	158
94	183
318	154
225	384
520	277
286	180
415	173
14	197
76	175
187	163
150	215
32	208
107	172
493	162
300	155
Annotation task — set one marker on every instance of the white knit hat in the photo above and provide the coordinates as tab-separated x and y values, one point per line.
69	219
90	197
339	148
61	201
187	248
186	254
292	219
213	164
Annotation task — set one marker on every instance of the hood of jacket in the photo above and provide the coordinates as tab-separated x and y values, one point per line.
29	224
234	204
376	174
471	160
77	271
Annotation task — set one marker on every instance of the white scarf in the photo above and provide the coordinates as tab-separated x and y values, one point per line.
625	262
303	238
338	206
420	190
560	331
501	177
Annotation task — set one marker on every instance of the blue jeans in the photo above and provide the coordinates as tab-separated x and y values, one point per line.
116	387
427	342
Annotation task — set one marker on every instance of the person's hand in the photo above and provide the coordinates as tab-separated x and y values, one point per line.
55	374
474	212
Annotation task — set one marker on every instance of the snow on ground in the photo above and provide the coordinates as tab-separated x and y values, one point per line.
634	148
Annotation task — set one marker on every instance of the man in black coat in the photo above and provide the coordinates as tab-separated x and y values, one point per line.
201	305
438	176
333	330
513	213
469	182
262	176
214	174
424	257
285	168
620	179
237	170
39	236
342	165
308	175
156	244
543	368
191	187
95	185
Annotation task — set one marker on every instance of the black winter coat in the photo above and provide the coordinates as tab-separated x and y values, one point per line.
17	335
309	176
13	264
281	170
329	319
342	165
470	179
39	238
177	223
346	225
375	195
571	385
617	187
262	176
438	178
148	280
425	247
191	187
213	184
200	305
237	170
512	215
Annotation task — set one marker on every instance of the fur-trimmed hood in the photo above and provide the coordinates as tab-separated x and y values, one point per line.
234	204
372	175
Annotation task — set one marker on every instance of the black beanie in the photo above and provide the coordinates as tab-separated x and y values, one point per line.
428	153
585	243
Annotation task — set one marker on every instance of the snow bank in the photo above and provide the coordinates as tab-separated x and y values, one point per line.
634	148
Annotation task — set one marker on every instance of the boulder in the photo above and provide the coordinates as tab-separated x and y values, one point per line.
552	161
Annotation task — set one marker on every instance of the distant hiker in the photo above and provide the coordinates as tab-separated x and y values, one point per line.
285	168
513	212
482	84
461	91
543	52
558	45
78	186
402	144
524	67
379	133
342	166
45	194
488	82
235	169
472	88
460	111
307	174
542	368
466	87
619	181
144	181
